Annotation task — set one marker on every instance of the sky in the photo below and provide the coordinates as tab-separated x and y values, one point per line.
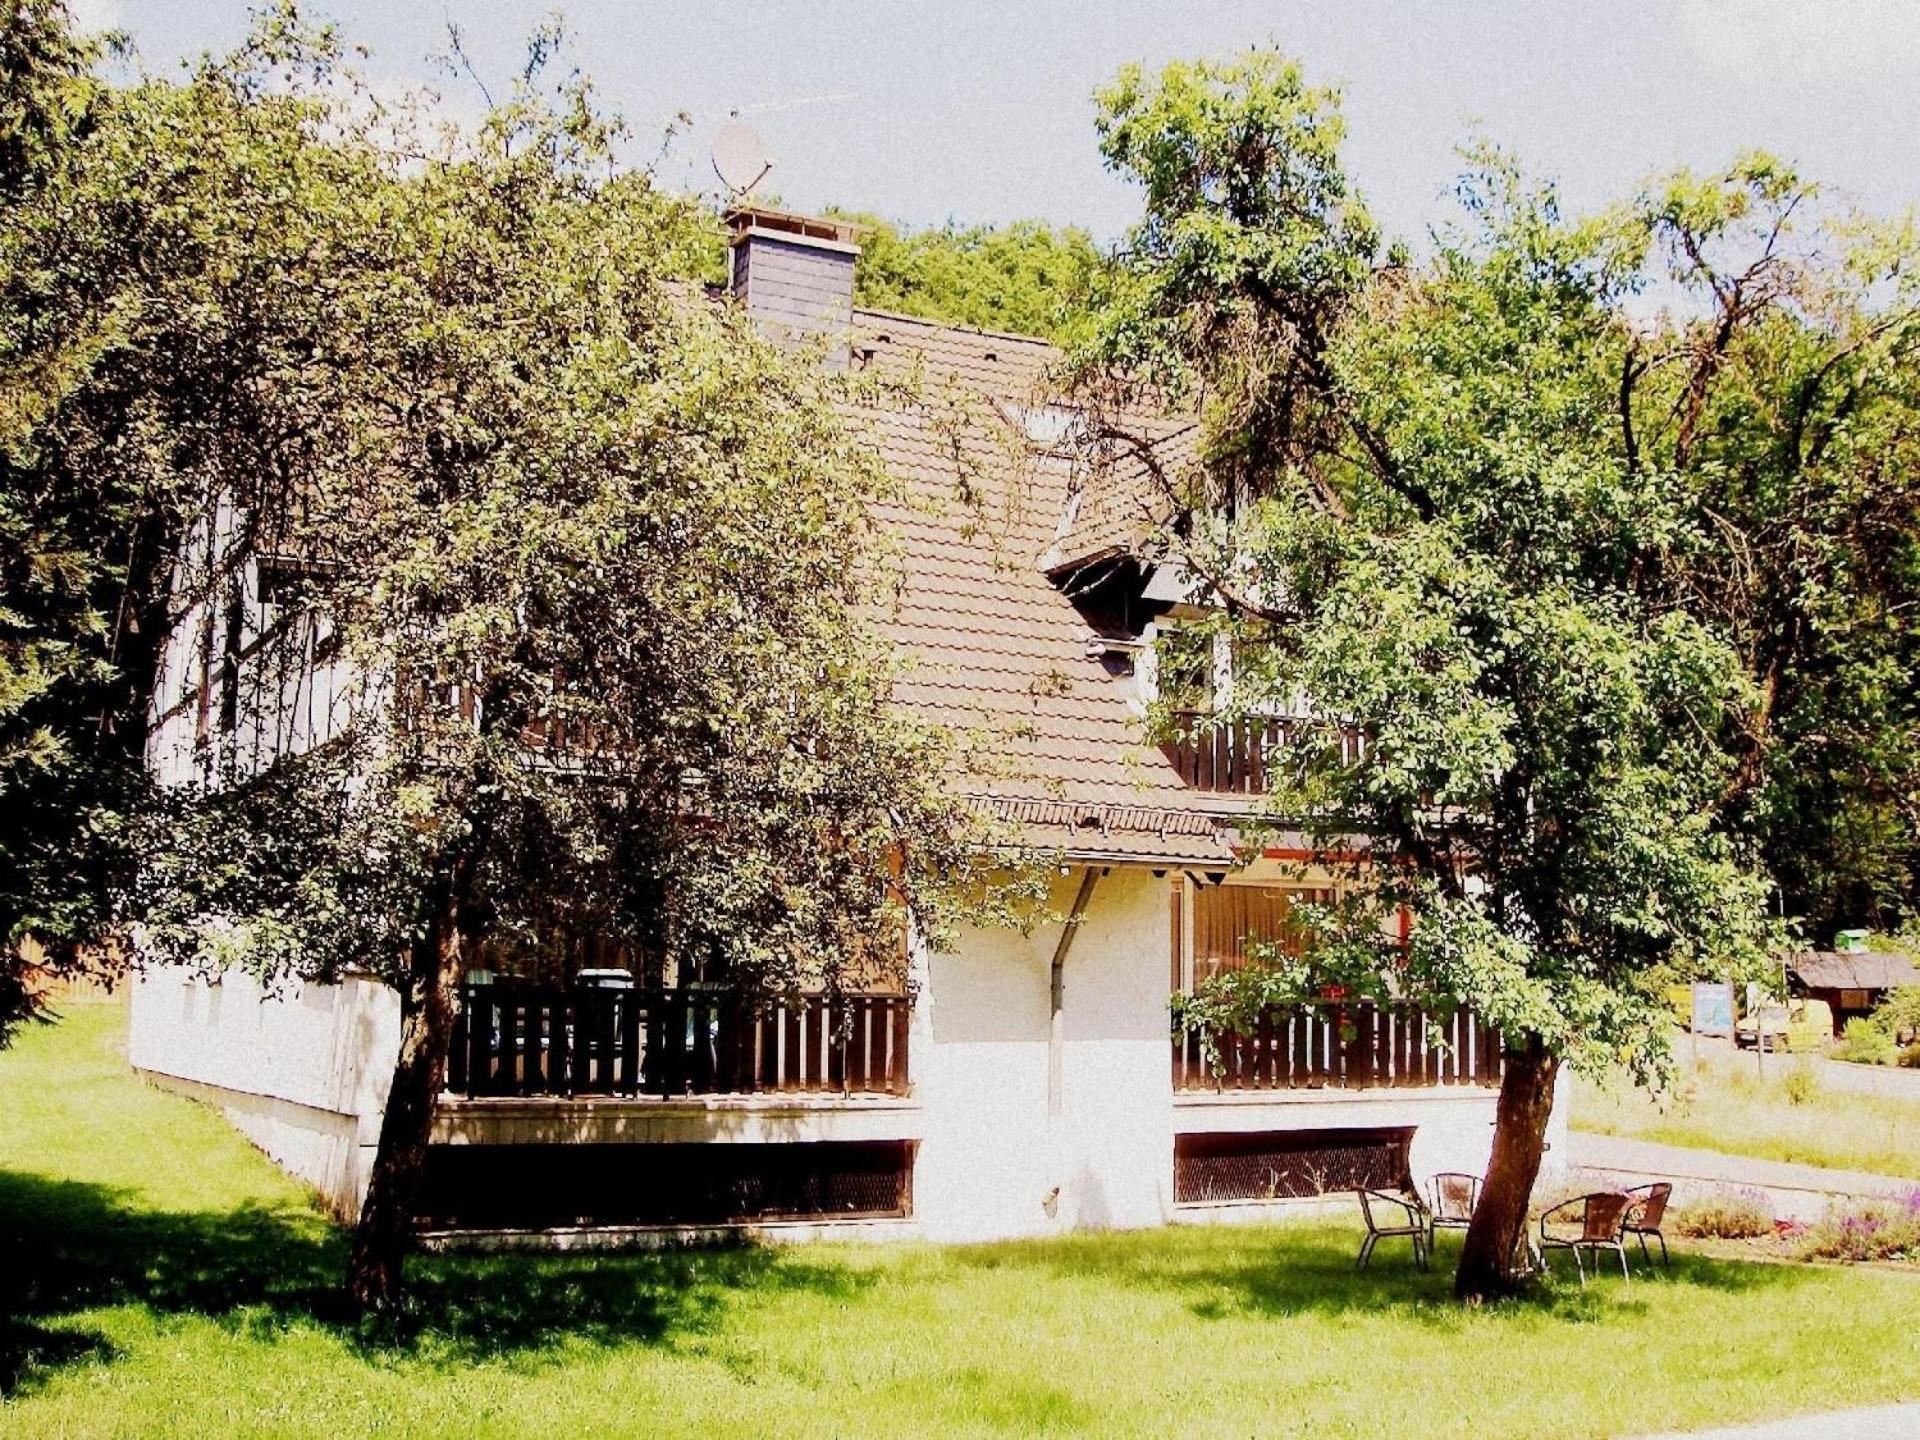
981	110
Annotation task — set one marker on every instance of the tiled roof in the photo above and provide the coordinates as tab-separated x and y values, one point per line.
996	649
1111	509
1854	969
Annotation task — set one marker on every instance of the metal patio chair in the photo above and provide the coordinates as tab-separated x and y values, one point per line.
1455	1197
1410	1222
1592	1223
1646	1216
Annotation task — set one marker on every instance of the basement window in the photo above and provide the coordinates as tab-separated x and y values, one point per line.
556	1186
1217	1169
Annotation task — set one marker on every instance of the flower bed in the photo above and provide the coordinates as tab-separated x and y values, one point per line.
1886	1230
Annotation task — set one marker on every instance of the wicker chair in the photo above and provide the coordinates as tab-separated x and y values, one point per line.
1646	1216
1404	1214
1455	1197
1588	1222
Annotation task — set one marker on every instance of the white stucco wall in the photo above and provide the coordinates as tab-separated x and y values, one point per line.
993	1156
302	1073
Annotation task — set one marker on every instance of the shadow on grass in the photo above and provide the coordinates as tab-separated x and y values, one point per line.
1300	1268
67	1247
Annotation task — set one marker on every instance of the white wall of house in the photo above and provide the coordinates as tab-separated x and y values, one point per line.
288	689
303	1075
995	1159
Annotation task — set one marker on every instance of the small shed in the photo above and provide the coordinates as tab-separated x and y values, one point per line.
1852	982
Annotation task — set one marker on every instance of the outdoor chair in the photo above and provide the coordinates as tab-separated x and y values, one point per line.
1455	1197
1646	1216
1588	1222
1400	1215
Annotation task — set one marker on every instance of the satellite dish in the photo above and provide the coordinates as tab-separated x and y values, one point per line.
739	159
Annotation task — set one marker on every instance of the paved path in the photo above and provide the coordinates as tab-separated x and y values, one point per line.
1895	1080
1798	1191
1884	1422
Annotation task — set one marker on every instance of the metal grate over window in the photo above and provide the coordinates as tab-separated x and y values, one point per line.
1287	1164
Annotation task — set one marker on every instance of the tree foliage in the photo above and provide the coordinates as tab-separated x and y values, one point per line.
161	272
1612	591
1025	277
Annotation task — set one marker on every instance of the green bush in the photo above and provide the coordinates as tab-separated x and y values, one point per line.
1727	1215
1801	1084
1865	1043
1910	1057
1899	1013
1875	1230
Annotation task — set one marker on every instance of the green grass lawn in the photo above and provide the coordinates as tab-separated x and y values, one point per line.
165	1280
1720	1104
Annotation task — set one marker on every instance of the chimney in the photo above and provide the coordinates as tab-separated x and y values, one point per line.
794	273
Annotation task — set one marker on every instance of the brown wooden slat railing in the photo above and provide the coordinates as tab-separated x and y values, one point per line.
1233	756
521	1040
540	732
1341	1045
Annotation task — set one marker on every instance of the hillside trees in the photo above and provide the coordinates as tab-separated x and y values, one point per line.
1563	558
1025	277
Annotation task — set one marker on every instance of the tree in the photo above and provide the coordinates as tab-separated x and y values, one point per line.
160	259
1789	403
1025	277
598	572
1532	543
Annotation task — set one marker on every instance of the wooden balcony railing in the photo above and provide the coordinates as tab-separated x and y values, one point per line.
548	732
1232	756
518	1040
1341	1045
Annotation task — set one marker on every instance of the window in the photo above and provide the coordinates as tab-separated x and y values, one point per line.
1184	668
287	591
541	1186
1287	1164
1227	921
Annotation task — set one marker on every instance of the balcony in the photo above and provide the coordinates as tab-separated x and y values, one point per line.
519	1040
1232	756
1341	1045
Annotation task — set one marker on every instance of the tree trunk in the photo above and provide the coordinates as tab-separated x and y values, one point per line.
384	1233
1496	1236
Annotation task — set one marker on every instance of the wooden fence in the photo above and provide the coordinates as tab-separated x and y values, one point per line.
1328	1044
519	1040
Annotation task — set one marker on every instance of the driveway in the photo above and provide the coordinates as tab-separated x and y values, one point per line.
1894	1422
1797	1192
1834	1074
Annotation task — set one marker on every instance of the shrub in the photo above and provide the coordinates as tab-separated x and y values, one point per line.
1727	1215
1910	1056
1866	1042
1899	1013
1874	1230
1801	1084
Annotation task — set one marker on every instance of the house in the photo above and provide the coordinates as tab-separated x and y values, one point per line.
1022	1084
1852	982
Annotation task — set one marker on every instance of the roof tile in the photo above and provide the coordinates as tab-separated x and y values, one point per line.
995	647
